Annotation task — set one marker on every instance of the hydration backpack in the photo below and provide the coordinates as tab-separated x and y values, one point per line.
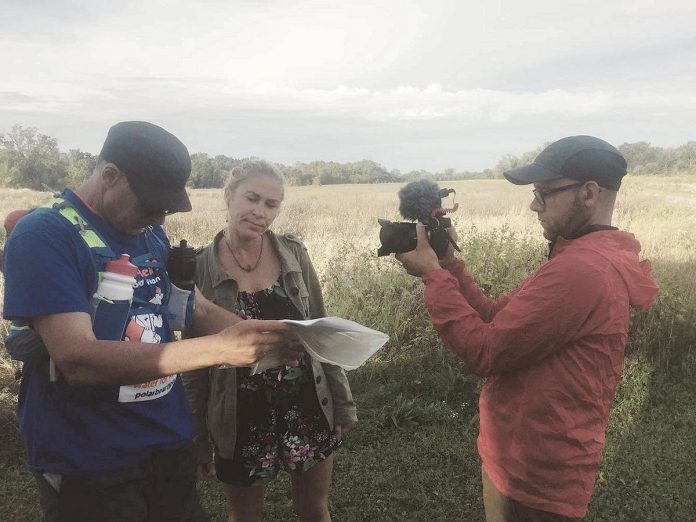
24	344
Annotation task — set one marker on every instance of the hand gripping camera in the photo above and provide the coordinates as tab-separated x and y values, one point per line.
419	201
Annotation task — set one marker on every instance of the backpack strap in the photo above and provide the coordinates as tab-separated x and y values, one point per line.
23	343
98	248
157	249
155	257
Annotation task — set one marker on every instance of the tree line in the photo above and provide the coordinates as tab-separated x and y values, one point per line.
32	160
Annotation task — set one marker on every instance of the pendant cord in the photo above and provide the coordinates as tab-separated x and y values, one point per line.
248	268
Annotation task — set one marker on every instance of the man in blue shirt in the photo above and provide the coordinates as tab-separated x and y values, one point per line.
105	423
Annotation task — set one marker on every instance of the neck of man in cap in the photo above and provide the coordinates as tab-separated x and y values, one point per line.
91	194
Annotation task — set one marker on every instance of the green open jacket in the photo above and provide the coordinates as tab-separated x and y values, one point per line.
212	392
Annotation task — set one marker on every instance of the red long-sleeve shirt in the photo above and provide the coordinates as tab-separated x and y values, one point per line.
553	352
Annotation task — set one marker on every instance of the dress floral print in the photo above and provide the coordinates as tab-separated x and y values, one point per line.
280	424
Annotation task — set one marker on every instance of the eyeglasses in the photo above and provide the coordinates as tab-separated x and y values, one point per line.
540	196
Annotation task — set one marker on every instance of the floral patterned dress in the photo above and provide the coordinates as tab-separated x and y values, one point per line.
280	424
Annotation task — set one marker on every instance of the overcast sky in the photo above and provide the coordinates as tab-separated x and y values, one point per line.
412	84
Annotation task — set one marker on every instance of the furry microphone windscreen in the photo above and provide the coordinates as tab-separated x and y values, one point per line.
418	199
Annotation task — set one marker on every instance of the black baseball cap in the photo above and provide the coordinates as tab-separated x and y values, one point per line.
584	158
155	163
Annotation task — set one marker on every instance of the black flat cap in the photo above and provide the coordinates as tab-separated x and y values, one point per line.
584	158
156	164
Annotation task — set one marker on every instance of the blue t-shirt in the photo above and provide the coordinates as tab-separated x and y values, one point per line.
49	269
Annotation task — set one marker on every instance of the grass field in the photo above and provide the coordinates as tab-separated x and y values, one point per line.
413	454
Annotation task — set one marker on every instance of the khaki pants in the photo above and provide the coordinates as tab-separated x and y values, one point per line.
500	508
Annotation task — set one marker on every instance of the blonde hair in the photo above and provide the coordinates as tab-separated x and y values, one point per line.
251	168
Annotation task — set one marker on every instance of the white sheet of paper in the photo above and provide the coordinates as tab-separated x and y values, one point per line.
338	341
331	340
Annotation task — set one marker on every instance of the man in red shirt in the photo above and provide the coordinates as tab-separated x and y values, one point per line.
552	350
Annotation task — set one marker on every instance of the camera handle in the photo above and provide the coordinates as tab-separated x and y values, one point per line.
439	213
456	247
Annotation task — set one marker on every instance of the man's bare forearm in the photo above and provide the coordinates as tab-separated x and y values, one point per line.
83	360
209	318
117	362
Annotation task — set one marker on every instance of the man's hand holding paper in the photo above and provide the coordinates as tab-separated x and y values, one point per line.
331	340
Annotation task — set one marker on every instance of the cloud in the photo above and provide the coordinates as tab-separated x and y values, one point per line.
404	103
414	74
17	102
410	103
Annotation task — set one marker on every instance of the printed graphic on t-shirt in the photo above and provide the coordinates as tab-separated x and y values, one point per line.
147	328
158	296
146	391
148	283
143	329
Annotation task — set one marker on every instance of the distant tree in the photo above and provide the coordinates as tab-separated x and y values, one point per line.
207	172
202	170
296	175
510	161
686	158
418	174
223	165
642	158
507	162
449	173
31	160
80	166
367	171
638	153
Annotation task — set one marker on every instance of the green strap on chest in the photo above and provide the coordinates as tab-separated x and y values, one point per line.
88	234
97	246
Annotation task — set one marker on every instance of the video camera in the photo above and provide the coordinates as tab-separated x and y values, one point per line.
419	201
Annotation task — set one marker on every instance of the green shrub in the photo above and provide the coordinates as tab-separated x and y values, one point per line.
665	333
378	293
501	258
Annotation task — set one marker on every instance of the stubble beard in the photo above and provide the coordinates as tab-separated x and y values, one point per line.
574	220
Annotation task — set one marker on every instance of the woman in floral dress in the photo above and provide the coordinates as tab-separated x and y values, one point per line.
284	418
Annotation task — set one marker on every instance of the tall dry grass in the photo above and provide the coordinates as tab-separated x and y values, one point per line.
418	397
660	211
502	238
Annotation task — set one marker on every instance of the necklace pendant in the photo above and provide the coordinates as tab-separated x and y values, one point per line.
247	268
